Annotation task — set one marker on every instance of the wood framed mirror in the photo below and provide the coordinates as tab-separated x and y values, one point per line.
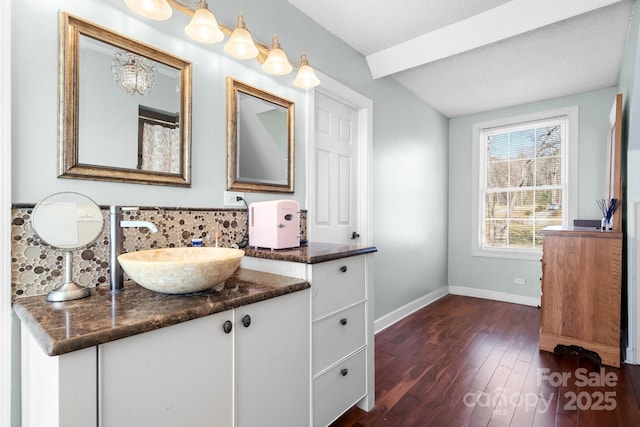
613	188
106	79
260	140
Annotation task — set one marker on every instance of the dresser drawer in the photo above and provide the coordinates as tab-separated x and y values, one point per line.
338	389
337	336
337	284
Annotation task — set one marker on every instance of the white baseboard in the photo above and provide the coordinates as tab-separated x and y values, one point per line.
402	312
494	295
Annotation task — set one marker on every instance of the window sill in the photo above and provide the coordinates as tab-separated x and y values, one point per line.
517	254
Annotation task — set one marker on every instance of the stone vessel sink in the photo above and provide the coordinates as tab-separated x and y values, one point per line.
181	270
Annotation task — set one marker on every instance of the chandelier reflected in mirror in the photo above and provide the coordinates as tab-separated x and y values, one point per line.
134	74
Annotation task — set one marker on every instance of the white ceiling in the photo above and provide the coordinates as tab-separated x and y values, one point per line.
468	56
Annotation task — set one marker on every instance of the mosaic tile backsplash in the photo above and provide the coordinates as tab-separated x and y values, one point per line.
37	268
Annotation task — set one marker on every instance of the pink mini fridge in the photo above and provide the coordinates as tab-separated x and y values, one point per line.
274	224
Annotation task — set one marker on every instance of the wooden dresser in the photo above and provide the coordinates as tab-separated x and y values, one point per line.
581	291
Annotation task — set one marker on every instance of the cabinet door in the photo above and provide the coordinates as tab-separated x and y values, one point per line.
273	370
180	375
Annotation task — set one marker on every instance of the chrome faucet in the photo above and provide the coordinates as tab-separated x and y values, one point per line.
116	224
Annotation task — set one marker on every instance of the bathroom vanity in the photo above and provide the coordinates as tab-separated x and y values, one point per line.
341	278
239	357
267	350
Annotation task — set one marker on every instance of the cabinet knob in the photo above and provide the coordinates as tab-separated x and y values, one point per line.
343	268
343	321
246	320
344	372
227	326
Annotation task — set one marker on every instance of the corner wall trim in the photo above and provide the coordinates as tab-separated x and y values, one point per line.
630	356
494	295
407	309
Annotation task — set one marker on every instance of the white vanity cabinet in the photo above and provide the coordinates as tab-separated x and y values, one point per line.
339	337
178	375
189	374
272	362
342	330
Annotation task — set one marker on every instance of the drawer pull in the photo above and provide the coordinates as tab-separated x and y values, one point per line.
343	321
344	372
343	268
227	326
246	320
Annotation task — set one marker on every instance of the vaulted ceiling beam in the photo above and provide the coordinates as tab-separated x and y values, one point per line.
510	19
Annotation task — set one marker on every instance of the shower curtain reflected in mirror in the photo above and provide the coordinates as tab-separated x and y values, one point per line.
160	150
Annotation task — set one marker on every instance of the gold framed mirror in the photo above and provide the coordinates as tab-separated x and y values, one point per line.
106	80
614	186
260	140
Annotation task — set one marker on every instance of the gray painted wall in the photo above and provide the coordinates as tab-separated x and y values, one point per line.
631	136
409	140
498	274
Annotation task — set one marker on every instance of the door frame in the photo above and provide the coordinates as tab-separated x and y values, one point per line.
5	216
364	107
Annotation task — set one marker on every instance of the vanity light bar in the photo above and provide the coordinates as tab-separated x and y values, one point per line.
204	28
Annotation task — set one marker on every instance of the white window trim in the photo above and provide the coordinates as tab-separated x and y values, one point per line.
570	171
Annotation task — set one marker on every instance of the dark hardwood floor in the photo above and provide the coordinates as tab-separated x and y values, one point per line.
465	361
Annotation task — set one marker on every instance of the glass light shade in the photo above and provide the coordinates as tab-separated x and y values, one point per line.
306	78
203	27
240	45
158	10
277	62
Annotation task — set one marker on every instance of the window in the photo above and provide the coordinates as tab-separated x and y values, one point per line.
523	182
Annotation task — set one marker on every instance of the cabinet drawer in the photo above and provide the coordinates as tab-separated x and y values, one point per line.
337	284
338	335
338	389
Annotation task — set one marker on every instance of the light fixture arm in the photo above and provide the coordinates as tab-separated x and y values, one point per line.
263	49
203	27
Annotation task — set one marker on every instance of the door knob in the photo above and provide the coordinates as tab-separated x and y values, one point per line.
354	235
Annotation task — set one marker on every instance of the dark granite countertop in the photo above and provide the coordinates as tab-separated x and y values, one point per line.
311	253
68	326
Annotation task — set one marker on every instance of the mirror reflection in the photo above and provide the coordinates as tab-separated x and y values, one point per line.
126	109
67	221
260	141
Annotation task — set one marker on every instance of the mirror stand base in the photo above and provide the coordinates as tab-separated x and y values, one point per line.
68	291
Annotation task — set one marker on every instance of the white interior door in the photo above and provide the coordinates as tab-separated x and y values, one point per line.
339	157
334	218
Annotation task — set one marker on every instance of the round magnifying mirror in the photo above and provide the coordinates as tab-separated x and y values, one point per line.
67	221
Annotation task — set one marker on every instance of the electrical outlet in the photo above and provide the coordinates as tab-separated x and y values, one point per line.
519	281
231	199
